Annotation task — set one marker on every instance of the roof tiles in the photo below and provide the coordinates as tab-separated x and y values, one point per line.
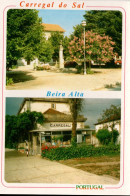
53	27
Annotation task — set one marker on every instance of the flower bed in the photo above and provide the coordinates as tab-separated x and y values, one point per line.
46	148
43	67
62	153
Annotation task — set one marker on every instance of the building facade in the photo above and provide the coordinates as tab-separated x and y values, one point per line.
50	28
57	128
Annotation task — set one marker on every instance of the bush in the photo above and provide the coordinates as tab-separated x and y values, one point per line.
104	136
80	69
63	153
89	71
14	66
21	148
74	141
9	81
43	67
115	135
70	64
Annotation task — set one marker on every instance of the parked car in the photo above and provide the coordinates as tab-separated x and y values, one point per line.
118	62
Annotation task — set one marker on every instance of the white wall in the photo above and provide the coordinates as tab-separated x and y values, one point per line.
51	127
47	35
21	62
108	124
43	106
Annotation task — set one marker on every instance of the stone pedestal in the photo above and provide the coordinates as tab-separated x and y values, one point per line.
61	58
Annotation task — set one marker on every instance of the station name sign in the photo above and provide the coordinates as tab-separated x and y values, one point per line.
60	125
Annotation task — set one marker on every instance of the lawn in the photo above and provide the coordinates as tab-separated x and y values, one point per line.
103	165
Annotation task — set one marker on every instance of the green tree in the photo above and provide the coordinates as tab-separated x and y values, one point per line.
104	136
75	108
24	35
108	23
18	127
46	51
11	131
114	135
66	54
55	39
78	31
112	115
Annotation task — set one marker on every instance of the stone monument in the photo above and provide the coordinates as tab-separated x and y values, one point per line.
61	58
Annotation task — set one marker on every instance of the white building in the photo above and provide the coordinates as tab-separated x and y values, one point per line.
57	127
50	28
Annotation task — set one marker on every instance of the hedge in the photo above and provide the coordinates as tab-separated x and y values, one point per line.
63	153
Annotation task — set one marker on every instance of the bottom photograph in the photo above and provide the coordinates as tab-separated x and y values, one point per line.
62	141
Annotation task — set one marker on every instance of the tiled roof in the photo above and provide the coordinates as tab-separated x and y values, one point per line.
52	115
52	111
53	27
113	118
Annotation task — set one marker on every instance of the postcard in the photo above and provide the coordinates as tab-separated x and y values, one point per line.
64	97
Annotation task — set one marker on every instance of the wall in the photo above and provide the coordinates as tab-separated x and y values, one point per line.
43	106
47	35
64	126
108	124
23	62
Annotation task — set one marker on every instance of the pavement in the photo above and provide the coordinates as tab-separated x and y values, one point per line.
35	169
27	78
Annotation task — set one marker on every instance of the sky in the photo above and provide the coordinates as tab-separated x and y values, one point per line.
65	18
92	108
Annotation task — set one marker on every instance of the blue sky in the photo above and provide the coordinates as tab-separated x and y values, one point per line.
65	18
92	108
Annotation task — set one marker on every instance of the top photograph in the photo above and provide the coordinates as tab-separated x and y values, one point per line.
64	50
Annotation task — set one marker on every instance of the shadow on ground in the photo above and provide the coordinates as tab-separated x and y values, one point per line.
74	71
20	76
14	154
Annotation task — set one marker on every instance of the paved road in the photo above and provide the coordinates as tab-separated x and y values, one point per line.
34	169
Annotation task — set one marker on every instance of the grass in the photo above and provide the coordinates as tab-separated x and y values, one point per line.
117	85
103	165
109	86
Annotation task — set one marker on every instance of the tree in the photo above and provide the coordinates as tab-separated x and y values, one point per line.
11	131
78	31
66	54
104	136
112	114
24	35
46	51
97	48
18	127
56	39
75	108
108	22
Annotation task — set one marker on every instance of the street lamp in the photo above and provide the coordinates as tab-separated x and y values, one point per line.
84	24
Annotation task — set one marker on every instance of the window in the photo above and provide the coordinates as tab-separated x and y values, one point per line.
53	106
